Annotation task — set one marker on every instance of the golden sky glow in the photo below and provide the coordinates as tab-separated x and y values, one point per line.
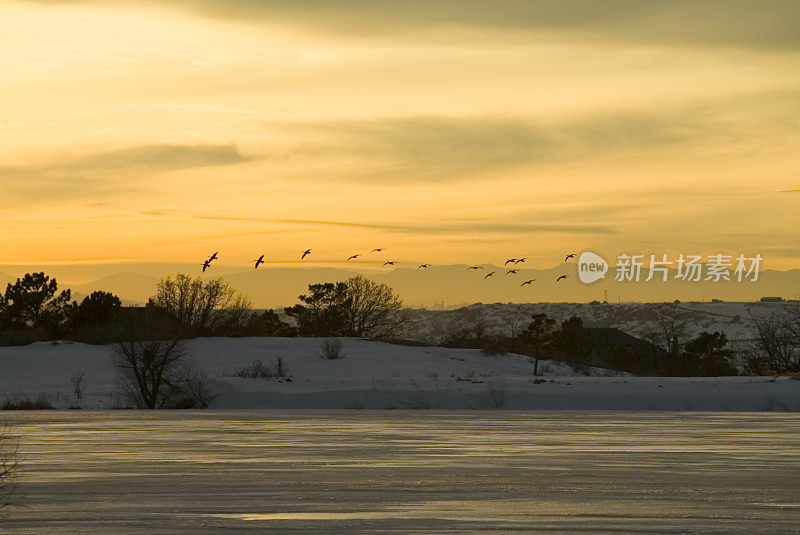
446	133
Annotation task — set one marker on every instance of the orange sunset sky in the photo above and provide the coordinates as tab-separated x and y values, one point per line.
447	132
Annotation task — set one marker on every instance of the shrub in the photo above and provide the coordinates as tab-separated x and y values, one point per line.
494	347
77	383
192	388
256	369
280	368
42	403
332	349
496	388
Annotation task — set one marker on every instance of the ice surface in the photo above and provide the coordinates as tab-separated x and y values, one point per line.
403	471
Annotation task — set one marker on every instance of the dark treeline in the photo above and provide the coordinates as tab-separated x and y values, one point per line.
665	349
33	309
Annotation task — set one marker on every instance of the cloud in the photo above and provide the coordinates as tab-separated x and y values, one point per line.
476	227
713	23
308	222
739	23
443	149
162	157
98	173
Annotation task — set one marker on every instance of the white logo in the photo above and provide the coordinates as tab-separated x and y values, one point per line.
591	267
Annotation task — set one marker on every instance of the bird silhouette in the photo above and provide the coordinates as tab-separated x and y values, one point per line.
511	271
562	277
389	263
528	282
305	253
213	257
259	261
489	274
509	261
571	255
521	260
423	266
377	250
206	265
353	257
475	267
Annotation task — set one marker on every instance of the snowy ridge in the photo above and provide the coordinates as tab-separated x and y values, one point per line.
733	319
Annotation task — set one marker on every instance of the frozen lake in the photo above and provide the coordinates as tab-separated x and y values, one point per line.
358	471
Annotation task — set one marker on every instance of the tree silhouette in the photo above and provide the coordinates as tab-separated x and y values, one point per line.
357	307
268	323
574	342
707	355
323	311
148	356
32	301
536	335
97	308
373	309
203	307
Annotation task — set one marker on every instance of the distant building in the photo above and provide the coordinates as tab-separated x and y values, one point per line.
618	350
771	299
717	301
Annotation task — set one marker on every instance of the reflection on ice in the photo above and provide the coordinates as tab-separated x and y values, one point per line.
407	471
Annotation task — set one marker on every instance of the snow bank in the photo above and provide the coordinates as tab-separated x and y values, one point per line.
375	375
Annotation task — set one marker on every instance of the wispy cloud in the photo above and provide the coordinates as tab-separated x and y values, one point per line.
476	227
308	222
99	172
736	23
443	148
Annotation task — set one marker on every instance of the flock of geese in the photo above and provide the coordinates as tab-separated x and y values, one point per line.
509	271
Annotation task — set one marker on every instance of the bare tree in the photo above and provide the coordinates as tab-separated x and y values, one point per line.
203	307
793	324
468	328
776	345
372	309
8	466
668	332
77	383
148	357
518	315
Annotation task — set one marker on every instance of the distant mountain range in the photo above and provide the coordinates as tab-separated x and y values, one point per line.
447	285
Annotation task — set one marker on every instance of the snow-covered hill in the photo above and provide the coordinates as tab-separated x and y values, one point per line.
733	319
375	375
